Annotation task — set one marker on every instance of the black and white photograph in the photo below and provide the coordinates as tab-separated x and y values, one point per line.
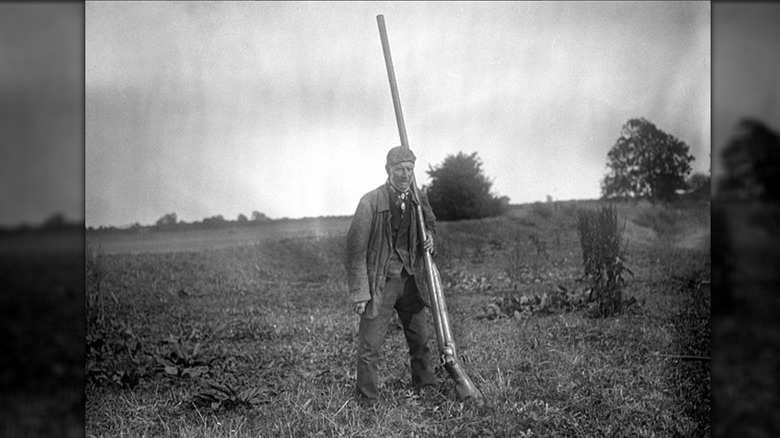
239	218
42	325
394	219
746	219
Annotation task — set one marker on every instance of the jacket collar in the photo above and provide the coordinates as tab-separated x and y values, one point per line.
383	198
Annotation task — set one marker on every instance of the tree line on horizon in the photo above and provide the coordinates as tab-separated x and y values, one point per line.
644	163
170	221
55	222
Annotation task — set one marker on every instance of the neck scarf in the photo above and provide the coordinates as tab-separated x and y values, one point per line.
401	197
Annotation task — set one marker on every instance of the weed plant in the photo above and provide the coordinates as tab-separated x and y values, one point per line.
604	256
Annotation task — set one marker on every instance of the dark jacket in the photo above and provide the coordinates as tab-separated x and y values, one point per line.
369	249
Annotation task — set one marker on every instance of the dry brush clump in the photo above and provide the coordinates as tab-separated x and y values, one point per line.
604	253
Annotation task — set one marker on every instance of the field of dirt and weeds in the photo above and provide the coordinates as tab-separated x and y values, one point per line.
42	329
190	336
746	329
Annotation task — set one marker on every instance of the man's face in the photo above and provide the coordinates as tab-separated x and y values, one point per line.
401	174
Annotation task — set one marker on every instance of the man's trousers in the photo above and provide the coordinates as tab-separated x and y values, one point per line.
401	296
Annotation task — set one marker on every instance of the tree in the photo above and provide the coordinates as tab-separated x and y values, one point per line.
168	220
259	217
751	162
459	190
646	162
214	221
242	219
55	221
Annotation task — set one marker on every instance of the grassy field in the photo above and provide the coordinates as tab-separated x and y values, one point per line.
746	380
189	336
148	241
42	328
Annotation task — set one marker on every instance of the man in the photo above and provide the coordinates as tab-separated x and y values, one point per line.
386	273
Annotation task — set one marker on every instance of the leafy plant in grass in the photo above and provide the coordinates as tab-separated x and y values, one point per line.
548	300
183	359
227	397
115	355
603	257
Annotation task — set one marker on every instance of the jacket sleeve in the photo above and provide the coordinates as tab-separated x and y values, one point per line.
355	256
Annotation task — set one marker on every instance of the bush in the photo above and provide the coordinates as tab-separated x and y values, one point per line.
603	256
460	190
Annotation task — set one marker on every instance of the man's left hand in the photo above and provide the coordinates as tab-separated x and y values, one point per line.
428	244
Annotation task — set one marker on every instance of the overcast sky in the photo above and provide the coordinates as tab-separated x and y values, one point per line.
283	107
746	69
41	111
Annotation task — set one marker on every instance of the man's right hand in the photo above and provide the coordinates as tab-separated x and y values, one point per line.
360	307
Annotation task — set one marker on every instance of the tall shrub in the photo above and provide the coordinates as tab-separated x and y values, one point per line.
603	256
460	190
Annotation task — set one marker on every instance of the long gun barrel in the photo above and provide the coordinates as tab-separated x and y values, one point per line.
464	387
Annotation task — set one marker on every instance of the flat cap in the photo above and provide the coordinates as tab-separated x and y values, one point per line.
399	154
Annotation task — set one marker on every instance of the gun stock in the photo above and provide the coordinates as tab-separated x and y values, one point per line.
464	386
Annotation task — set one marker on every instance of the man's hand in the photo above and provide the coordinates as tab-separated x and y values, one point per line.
360	307
428	244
